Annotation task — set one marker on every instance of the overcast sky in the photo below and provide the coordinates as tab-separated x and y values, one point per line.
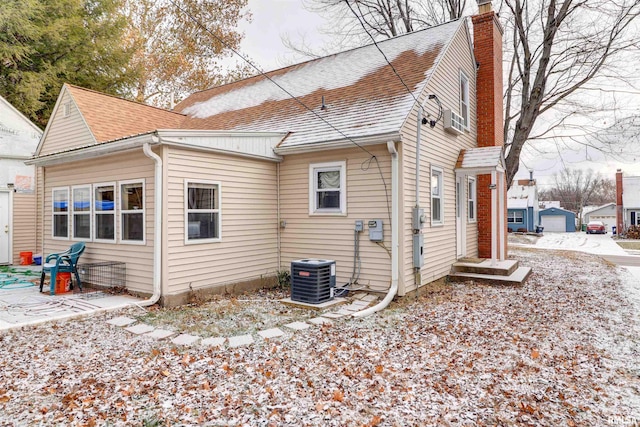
263	44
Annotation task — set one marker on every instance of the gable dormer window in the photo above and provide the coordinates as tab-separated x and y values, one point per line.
464	99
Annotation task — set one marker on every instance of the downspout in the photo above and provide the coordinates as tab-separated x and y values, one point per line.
157	239
395	238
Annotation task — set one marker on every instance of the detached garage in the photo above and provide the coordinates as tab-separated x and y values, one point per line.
558	220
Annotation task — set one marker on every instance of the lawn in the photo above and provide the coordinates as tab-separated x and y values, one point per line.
562	350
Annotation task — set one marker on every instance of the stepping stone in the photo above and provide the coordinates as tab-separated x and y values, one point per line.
297	326
369	298
345	311
271	333
319	321
185	339
333	315
240	340
360	295
213	342
121	321
360	304
140	329
161	334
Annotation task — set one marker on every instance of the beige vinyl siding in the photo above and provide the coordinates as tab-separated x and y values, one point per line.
439	149
66	132
24	224
133	165
248	214
332	236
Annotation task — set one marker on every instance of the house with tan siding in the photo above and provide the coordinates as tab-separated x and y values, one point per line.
19	138
335	158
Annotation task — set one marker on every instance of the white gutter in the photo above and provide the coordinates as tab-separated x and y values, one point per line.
94	150
395	238
157	237
302	148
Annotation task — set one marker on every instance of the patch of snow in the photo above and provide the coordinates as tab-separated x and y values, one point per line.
331	72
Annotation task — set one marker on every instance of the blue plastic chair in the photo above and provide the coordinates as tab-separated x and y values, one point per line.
63	262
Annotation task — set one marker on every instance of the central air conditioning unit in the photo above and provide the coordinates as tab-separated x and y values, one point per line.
313	281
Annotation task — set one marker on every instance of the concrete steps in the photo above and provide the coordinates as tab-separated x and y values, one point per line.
507	272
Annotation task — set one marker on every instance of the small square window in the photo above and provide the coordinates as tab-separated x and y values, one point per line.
327	188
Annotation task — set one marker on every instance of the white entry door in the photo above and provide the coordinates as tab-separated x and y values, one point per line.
4	227
460	215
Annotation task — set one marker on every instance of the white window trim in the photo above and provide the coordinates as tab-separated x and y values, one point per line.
512	214
73	213
342	167
466	120
122	211
114	212
186	212
53	213
473	197
440	171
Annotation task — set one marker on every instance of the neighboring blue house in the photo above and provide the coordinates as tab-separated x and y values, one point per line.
557	219
522	205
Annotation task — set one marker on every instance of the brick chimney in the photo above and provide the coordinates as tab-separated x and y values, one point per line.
619	219
487	48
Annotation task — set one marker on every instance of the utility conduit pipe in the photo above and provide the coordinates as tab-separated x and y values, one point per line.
395	239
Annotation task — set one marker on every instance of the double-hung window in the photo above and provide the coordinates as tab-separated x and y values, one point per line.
471	199
60	212
81	212
437	196
132	211
104	212
515	217
328	188
464	99
202	212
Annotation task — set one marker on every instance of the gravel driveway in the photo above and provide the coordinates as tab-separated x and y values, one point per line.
561	350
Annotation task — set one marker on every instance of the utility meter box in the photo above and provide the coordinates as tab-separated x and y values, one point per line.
418	218
418	250
376	230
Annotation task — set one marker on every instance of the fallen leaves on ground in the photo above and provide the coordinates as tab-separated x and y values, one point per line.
560	350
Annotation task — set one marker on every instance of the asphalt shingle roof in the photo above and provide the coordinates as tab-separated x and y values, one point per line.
362	94
110	117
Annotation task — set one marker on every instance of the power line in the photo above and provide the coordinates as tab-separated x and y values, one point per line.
266	76
358	17
373	157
